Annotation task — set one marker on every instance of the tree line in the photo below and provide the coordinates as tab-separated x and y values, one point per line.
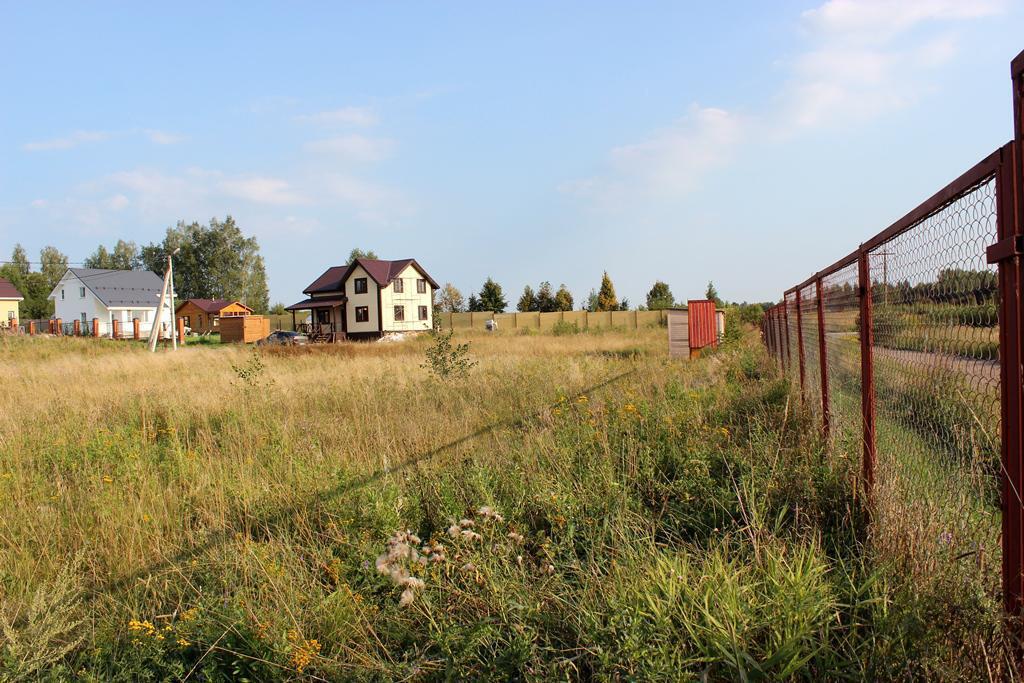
214	261
35	285
491	298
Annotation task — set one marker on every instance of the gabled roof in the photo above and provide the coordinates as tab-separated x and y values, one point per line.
9	291
383	272
213	306
126	288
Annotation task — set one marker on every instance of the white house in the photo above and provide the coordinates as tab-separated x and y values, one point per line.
369	298
108	295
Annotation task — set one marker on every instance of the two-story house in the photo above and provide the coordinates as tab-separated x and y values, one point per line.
368	299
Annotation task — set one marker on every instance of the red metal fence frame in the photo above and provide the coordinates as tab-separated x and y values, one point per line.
1006	167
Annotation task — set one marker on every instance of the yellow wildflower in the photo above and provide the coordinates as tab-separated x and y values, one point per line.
629	408
108	480
183	643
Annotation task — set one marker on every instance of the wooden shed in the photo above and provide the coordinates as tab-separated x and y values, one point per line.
203	316
244	328
690	329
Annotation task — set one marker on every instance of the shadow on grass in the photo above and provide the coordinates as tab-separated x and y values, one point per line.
279	515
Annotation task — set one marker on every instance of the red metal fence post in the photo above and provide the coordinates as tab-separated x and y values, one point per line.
800	343
1007	254
822	358
867	375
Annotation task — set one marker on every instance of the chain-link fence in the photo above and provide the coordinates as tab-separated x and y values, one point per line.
908	352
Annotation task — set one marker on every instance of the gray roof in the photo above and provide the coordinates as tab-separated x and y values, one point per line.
135	288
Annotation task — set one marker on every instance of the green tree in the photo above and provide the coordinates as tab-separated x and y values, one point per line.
528	301
359	253
277	309
546	298
592	301
712	294
474	304
53	265
491	297
623	305
660	297
125	256
563	299
450	299
606	299
216	261
19	261
35	286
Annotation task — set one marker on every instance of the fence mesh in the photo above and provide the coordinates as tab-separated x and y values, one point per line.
841	305
936	341
809	339
935	363
792	347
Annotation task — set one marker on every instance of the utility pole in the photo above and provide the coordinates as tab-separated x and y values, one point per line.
174	316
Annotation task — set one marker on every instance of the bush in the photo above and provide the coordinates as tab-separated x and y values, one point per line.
562	328
447	360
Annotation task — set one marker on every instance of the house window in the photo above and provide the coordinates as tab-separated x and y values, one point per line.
399	286
84	321
62	295
145	316
216	321
399	314
81	292
362	312
421	286
188	321
360	285
423	313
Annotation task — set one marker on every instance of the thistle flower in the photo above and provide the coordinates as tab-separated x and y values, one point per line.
467	523
514	537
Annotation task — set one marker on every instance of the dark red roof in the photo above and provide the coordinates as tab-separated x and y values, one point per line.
382	272
211	305
330	281
309	304
8	290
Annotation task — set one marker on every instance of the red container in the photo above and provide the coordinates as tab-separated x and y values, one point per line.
702	323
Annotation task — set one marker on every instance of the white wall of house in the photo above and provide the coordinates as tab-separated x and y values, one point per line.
369	299
71	304
410	299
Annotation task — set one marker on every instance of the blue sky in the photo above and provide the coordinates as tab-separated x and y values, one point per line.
748	143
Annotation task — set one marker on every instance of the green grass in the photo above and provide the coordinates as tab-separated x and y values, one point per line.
658	521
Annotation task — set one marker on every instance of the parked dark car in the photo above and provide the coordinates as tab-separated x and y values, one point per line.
284	338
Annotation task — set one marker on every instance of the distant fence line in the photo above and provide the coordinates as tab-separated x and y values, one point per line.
630	320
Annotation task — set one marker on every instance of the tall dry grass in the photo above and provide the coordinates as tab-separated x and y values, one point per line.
587	508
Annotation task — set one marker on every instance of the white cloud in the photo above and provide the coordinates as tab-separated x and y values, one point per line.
39	203
161	137
868	57
881	20
353	147
79	137
863	58
346	116
117	202
672	161
262	190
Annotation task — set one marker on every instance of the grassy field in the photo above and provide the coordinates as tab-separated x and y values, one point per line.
577	507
